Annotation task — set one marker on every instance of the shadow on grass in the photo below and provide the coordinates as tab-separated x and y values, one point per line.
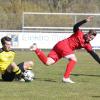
43	79
96	96
85	75
4	81
37	79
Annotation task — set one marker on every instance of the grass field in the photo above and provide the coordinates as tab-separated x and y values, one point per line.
48	85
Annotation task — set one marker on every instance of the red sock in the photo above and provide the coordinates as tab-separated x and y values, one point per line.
69	68
41	55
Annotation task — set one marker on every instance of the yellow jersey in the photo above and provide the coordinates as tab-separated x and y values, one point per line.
6	58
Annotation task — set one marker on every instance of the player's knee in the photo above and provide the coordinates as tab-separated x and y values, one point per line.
74	59
13	65
31	63
28	64
50	61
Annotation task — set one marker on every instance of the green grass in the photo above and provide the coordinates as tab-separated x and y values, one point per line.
48	83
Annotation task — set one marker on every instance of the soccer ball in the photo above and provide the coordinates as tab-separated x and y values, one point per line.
28	75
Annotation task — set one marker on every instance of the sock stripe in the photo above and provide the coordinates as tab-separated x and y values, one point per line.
17	71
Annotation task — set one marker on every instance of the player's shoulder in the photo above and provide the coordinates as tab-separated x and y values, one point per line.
12	51
1	50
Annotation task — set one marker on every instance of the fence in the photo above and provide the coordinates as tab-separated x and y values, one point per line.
57	21
23	40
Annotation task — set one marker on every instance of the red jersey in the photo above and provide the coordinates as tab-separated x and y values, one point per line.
67	46
76	41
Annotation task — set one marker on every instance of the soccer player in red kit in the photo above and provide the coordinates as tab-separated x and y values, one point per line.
65	49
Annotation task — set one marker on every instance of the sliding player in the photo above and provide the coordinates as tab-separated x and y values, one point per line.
8	67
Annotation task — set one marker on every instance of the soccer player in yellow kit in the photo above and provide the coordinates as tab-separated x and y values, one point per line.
8	67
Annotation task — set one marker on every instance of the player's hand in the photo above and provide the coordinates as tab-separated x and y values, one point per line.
89	18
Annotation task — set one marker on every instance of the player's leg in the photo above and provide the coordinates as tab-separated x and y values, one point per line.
27	65
41	55
15	69
11	71
72	61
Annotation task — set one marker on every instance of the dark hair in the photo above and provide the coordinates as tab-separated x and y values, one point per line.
5	38
92	32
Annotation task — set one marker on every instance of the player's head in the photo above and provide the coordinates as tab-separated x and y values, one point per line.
6	43
90	35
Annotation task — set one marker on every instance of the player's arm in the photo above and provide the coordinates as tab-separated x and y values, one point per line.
95	56
77	25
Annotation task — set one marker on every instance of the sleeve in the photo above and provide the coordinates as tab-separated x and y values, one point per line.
95	56
77	25
88	47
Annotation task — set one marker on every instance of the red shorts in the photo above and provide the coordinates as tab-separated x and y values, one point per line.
61	49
